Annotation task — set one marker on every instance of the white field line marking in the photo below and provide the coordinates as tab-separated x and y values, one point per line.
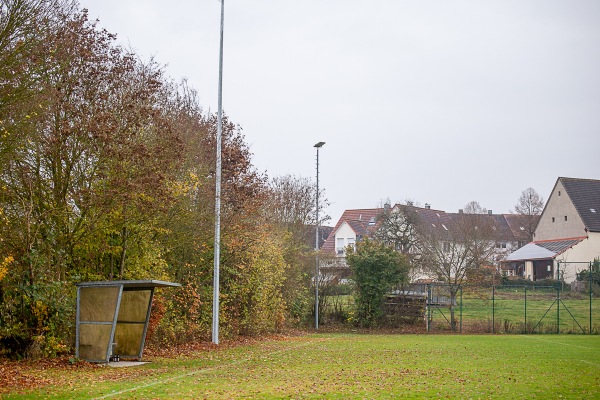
591	363
205	370
567	344
563	344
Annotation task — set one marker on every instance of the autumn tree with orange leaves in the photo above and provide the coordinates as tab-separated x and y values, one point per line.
108	173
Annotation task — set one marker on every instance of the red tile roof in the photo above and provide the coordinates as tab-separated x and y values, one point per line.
357	219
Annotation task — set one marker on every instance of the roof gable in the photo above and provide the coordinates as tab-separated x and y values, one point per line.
585	195
358	220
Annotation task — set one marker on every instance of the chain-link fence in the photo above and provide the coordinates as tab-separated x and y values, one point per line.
516	307
513	306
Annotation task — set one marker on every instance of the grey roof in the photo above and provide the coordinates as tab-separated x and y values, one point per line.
542	250
139	284
530	251
585	195
558	246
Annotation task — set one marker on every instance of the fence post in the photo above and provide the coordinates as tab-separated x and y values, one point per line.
525	309
590	286
558	310
494	309
460	326
428	308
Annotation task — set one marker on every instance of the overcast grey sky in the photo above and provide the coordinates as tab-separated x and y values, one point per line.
439	102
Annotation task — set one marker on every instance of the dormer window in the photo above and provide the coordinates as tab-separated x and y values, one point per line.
372	221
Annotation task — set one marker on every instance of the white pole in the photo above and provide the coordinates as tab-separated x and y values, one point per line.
217	254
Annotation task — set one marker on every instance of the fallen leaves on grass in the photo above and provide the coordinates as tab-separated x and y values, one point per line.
25	375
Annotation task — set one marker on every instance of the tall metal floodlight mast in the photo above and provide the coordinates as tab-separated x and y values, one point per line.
217	254
318	146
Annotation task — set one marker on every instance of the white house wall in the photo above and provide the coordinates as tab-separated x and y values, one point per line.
552	223
576	259
344	232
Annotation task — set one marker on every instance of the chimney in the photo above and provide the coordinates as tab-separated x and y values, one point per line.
460	211
489	212
428	206
386	207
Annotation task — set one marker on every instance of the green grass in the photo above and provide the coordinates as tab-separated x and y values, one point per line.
341	366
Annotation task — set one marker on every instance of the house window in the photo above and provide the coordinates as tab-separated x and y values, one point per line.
565	217
340	246
559	192
552	219
446	246
351	243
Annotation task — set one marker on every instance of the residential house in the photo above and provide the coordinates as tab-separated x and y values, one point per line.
357	224
567	236
352	226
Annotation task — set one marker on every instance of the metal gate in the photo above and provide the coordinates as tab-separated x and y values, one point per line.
444	302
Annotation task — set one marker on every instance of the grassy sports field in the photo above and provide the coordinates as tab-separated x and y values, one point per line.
341	366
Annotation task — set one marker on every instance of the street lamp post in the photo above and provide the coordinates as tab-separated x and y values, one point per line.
318	146
217	249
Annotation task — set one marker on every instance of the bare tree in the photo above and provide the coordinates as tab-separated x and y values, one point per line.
451	253
473	207
530	205
291	208
292	200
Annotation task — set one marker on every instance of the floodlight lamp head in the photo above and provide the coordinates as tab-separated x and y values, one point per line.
319	145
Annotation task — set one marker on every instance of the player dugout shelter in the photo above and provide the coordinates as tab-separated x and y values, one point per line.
112	318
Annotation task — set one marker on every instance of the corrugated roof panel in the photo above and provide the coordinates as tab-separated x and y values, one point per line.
559	246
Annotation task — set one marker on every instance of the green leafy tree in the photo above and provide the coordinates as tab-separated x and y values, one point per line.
592	274
377	269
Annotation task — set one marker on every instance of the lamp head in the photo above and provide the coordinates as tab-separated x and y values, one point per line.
320	144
